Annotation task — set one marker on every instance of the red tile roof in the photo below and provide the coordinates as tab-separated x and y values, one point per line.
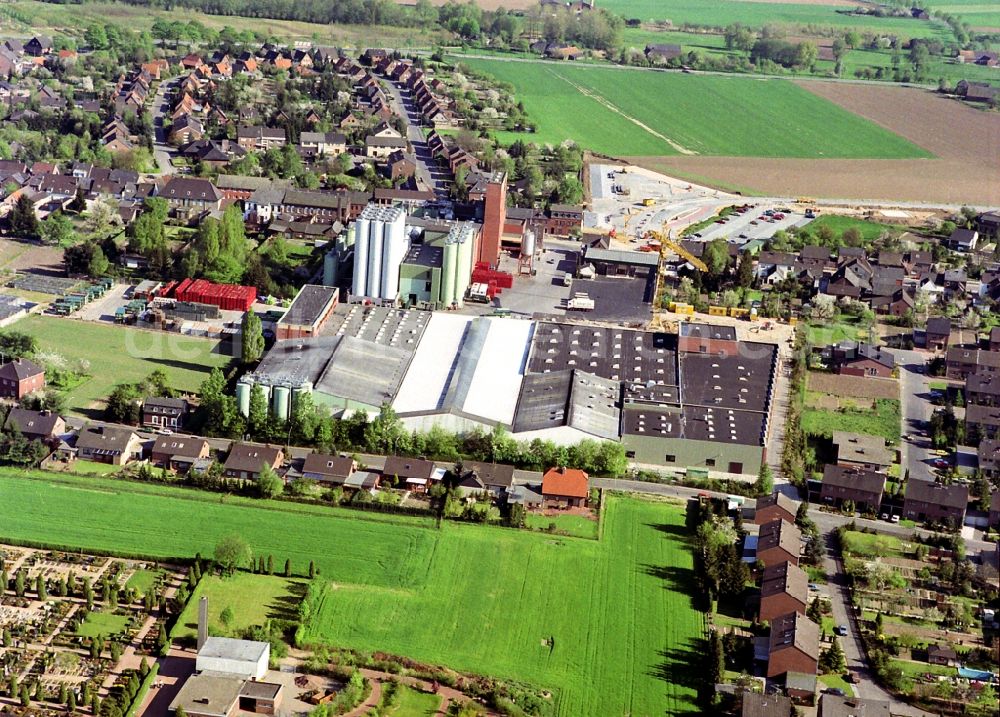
569	482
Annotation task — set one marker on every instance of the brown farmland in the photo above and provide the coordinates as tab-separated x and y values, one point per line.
964	140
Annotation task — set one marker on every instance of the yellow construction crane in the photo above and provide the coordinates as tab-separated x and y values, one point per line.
667	244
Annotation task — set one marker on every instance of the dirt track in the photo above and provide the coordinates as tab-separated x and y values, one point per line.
965	142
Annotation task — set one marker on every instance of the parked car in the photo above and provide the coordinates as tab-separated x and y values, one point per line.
835	691
894	519
841	630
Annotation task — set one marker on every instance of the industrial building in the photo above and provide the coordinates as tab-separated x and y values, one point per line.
437	269
308	313
700	399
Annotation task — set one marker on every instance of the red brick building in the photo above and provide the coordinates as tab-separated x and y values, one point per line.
494	217
565	488
784	589
20	377
778	542
776	506
794	645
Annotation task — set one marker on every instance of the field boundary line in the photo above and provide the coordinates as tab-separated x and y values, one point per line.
605	102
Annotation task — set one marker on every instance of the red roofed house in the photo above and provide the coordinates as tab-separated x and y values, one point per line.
565	488
20	377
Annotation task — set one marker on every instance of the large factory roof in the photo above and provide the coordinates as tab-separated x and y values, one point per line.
309	306
697	423
570	398
612	353
382	325
468	365
740	381
363	371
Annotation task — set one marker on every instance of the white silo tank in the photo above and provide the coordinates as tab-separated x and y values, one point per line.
375	249
528	244
393	252
448	267
243	388
281	397
361	230
463	267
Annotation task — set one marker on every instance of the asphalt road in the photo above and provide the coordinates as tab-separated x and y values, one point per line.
429	175
161	150
916	409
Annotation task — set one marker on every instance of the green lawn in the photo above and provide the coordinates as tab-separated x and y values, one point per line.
831	332
870	545
95	468
625	634
102	623
143	580
837	681
602	108
576	525
720	13
870	231
883	421
415	704
117	354
253	599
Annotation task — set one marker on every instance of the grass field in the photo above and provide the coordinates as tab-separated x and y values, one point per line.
415	704
870	545
882	420
576	525
475	598
117	354
143	580
625	632
162	522
102	623
870	231
27	16
821	334
837	681
253	599
756	14
637	112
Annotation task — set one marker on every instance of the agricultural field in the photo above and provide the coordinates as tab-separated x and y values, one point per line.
252	599
117	354
856	416
609	626
619	628
720	13
609	110
978	13
144	519
29	16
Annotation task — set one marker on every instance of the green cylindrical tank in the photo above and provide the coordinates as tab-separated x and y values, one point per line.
448	267
331	267
243	389
266	390
281	397
303	389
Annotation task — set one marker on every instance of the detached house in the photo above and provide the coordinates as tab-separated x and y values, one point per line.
188	195
20	377
938	333
36	425
179	453
246	460
418	474
565	488
164	412
108	444
327	468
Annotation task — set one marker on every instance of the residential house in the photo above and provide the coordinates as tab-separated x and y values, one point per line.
778	542
758	704
42	426
964	240
860	450
929	501
565	488
983	389
401	165
382	147
994	514
662	53
831	705
960	363
938	332
861	359
994	340
897	304
784	589
496	478
862	487
776	506
416	474
190	195
179	453
943	655
247	460
158	412
988	453
328	468
184	129
20	377
38	46
108	444
981	422
794	645
324	144
259	139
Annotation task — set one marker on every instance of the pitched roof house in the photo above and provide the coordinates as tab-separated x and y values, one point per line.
20	377
778	542
794	645
179	453
328	468
108	444
784	588
246	460
927	500
565	487
36	425
862	487
776	506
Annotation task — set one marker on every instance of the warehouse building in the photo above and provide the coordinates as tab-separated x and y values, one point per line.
308	313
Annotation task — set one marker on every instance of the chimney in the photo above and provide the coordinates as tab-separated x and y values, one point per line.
202	622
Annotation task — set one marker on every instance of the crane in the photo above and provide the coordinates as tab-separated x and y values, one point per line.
668	244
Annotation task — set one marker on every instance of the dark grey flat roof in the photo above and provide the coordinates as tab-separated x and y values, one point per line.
310	305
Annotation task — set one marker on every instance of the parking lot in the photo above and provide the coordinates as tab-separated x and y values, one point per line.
753	224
